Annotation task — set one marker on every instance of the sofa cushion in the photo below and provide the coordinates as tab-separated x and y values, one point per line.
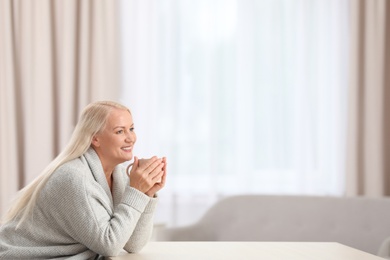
363	223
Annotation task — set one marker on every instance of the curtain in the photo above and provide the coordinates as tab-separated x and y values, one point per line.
55	58
241	96
368	168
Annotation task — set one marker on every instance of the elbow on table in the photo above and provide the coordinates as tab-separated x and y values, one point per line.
110	251
108	248
135	245
133	249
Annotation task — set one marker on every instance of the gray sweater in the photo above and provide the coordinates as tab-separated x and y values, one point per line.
76	216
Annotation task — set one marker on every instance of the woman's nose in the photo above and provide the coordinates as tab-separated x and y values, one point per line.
130	137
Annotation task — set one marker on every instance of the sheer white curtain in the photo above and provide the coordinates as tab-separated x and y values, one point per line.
241	96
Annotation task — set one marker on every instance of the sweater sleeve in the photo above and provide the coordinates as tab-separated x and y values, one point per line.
80	208
143	229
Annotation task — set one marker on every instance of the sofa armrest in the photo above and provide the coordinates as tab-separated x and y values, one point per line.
384	250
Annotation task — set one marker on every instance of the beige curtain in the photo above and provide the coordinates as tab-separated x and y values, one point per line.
368	165
55	57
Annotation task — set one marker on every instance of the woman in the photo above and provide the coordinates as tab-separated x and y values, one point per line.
84	205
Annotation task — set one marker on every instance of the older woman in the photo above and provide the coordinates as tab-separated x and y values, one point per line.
84	205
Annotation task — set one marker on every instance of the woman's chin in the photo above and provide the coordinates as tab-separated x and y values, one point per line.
124	155
129	157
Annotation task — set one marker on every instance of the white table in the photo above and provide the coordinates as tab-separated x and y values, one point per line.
247	251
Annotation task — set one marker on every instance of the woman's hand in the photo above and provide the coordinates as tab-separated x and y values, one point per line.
161	182
148	176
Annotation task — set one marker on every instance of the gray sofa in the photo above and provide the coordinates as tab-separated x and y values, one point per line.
362	223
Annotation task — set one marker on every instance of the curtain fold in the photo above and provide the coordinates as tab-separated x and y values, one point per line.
368	169
55	58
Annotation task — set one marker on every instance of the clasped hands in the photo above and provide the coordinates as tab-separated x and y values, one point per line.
148	175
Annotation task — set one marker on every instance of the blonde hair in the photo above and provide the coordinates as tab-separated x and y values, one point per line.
92	120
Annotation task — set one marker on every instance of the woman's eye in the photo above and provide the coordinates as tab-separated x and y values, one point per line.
119	132
132	129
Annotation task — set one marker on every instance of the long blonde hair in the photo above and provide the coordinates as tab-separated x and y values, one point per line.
92	120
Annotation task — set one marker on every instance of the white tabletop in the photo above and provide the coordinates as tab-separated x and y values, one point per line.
247	251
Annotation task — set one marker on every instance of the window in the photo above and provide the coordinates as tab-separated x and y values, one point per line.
242	96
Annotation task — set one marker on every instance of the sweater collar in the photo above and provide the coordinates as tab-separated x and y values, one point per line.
97	171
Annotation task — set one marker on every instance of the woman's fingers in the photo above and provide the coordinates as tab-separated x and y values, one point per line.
146	163
156	164
158	177
165	171
161	181
157	171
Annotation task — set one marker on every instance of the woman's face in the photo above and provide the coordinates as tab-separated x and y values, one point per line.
114	144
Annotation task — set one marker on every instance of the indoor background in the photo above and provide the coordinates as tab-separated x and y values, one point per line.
242	97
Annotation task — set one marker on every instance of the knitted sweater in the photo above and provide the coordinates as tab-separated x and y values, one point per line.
76	217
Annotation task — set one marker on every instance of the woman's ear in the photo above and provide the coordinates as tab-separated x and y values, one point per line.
95	141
